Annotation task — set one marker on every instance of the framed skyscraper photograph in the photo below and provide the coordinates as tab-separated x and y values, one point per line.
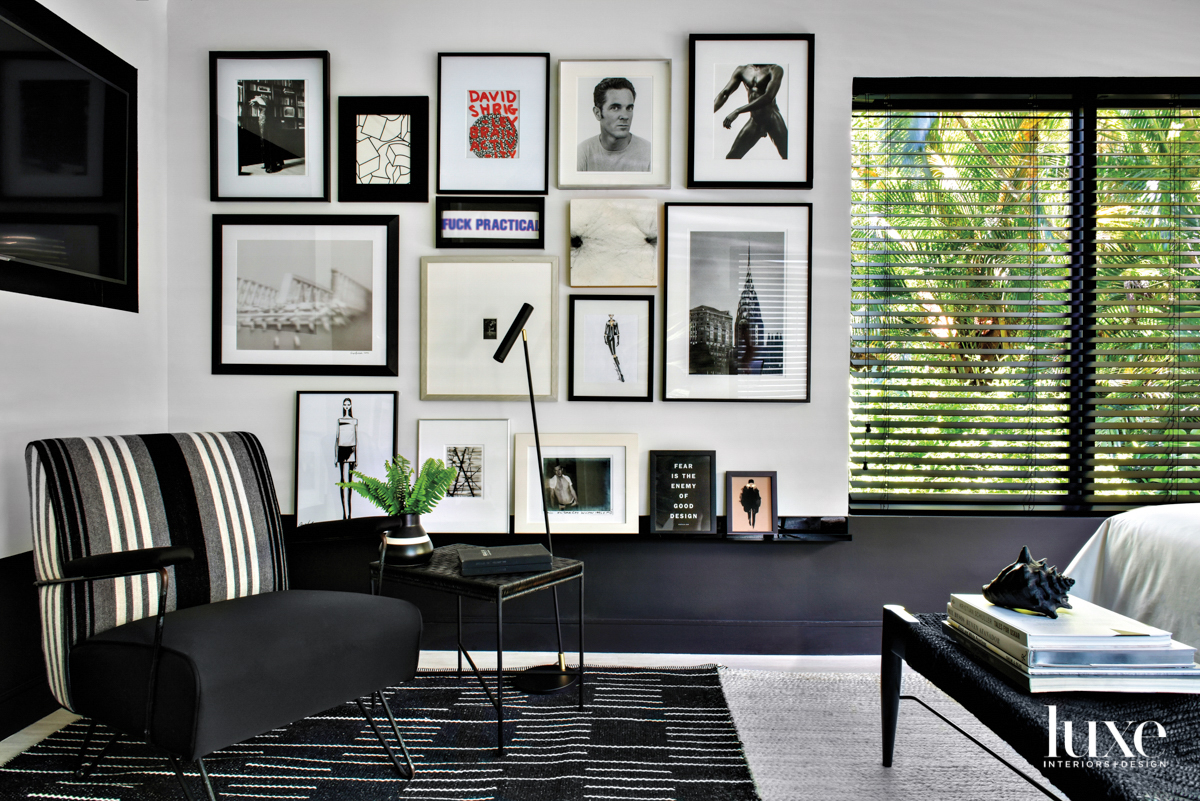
737	318
610	356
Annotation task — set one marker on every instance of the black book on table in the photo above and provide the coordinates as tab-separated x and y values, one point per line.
504	559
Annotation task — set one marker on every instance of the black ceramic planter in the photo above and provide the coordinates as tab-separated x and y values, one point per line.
404	541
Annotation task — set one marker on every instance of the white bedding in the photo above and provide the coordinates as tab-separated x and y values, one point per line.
1145	563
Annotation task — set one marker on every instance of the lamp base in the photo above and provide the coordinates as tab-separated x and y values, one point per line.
543	680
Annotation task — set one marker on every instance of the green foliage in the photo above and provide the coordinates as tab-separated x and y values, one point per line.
405	493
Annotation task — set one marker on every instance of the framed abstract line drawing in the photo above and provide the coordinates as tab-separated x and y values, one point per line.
383	149
750	109
611	346
337	432
493	120
737	287
489	222
467	304
480	450
305	294
269	129
591	484
751	504
614	124
683	492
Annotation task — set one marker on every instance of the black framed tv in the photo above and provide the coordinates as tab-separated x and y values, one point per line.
68	162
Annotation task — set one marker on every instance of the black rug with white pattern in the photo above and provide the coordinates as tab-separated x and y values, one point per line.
661	734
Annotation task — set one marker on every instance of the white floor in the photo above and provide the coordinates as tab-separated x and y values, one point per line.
485	660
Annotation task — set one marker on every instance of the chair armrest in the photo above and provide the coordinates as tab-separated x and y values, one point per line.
127	563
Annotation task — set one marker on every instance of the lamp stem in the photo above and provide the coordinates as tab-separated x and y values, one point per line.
537	441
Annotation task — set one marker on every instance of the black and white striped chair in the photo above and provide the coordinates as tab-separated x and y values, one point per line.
164	600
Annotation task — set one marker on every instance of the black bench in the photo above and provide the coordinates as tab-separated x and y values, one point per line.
1170	768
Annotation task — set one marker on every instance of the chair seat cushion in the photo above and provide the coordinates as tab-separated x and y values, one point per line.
235	669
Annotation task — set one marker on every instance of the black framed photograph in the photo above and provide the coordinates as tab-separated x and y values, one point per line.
750	107
489	222
683	492
614	124
611	346
493	121
305	294
751	504
269	129
68	163
737	318
383	149
338	432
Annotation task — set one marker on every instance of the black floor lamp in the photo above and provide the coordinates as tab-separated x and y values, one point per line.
543	678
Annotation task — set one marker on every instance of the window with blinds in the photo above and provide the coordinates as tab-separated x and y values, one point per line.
1025	312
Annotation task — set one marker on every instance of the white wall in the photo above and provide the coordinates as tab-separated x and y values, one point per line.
67	369
385	47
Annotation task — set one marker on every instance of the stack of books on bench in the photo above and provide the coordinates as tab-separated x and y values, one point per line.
1087	649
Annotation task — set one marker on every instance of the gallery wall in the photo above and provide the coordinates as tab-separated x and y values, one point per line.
390	48
67	369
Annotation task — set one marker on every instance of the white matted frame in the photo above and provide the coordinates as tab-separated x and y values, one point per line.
305	294
467	304
577	121
331	440
611	456
724	67
610	352
727	338
479	449
226	69
516	88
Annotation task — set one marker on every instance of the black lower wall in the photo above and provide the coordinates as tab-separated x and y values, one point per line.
718	596
24	693
651	596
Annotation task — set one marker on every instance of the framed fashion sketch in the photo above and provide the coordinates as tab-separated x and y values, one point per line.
614	124
750	109
489	222
493	121
338	432
383	149
478	500
737	285
751	504
591	484
269	128
611	342
683	492
305	294
467	304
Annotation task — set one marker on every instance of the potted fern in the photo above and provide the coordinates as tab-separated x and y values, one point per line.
404	497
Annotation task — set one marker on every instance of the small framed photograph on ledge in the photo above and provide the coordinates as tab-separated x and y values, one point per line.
591	484
477	501
683	492
751	504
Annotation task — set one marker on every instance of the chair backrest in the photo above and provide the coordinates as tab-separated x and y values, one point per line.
211	492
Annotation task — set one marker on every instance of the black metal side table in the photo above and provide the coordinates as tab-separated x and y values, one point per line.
444	573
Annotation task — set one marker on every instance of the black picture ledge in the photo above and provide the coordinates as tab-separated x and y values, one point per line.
791	529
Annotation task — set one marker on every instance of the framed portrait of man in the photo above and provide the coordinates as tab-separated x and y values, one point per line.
750	109
614	126
591	483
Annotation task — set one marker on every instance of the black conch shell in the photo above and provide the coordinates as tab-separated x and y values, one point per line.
1026	584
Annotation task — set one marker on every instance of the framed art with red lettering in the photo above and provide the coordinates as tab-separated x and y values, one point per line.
493	120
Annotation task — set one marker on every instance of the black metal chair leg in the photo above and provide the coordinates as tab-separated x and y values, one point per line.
85	767
208	788
175	766
87	741
412	770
